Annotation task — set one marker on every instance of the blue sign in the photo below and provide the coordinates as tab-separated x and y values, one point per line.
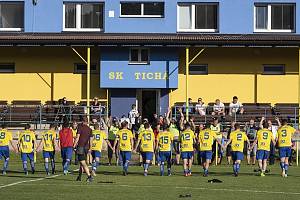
157	74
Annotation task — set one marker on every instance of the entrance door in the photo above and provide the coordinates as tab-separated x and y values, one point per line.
149	103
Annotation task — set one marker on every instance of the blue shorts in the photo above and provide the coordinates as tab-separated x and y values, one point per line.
66	153
237	155
96	154
49	154
4	152
125	155
206	155
165	156
187	154
262	155
285	152
147	155
24	156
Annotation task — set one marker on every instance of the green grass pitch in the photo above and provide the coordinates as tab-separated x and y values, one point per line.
110	184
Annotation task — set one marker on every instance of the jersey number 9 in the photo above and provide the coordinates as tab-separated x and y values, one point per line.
2	135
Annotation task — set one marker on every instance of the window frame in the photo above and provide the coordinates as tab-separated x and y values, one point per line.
139	62
269	21
193	22
15	29
142	10
273	73
78	16
198	72
8	72
76	71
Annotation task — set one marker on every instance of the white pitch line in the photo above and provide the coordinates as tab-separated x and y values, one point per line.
28	181
176	187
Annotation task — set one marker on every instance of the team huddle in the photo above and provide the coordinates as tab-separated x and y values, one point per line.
147	144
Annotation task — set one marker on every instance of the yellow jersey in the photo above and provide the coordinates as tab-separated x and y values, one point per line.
112	133
217	130
187	140
174	131
284	135
206	139
124	136
238	138
98	137
5	137
49	138
147	140
264	138
26	139
74	132
165	141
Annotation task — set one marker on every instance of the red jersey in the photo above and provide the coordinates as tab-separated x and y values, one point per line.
66	137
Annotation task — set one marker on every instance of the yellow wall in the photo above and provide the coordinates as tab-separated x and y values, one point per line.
45	73
238	71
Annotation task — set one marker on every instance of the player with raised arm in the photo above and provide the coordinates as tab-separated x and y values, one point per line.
206	140
26	146
187	140
124	139
284	139
98	137
237	139
49	143
147	140
164	146
263	141
5	141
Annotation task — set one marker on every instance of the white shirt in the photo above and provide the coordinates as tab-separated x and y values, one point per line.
235	106
132	115
201	108
219	108
274	129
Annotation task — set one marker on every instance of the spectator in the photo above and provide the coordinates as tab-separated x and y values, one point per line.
274	129
251	130
124	118
83	145
235	107
200	107
132	115
96	108
219	108
190	106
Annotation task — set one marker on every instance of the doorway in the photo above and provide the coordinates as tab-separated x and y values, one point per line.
149	103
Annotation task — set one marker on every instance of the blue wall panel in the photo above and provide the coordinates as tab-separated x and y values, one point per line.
121	101
116	72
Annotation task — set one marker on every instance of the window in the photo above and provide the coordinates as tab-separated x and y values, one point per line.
273	69
139	56
83	17
274	18
80	68
201	69
11	16
7	68
147	9
198	17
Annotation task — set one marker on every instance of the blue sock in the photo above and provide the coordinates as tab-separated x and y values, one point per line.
185	171
282	165
25	166
53	165
286	167
5	165
47	166
146	166
189	170
32	165
234	168
162	168
205	171
66	165
237	168
95	165
125	167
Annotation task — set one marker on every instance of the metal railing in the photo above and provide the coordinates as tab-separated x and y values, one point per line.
16	115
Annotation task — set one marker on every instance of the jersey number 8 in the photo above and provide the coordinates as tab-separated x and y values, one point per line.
2	135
